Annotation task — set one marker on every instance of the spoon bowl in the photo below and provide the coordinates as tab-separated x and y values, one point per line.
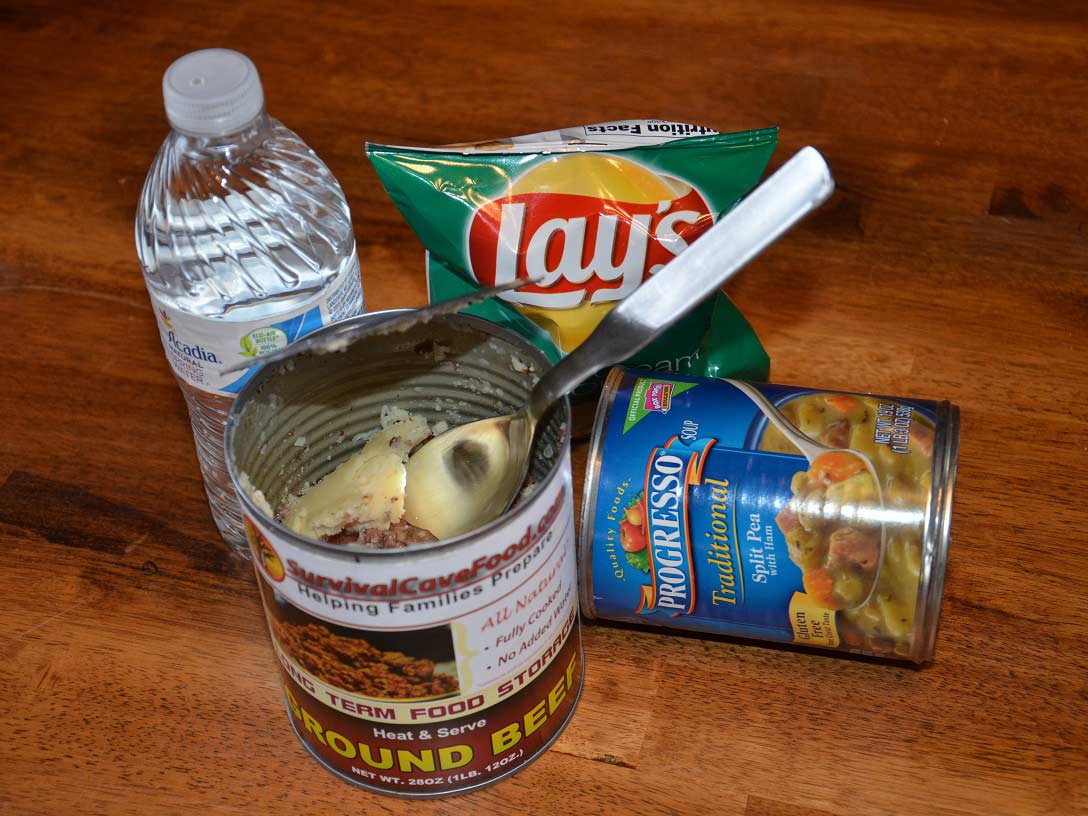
469	475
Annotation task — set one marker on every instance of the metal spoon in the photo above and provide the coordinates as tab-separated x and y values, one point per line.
471	474
812	450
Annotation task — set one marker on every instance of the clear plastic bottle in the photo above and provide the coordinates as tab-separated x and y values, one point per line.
246	244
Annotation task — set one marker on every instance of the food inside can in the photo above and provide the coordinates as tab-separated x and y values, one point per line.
410	666
362	500
770	512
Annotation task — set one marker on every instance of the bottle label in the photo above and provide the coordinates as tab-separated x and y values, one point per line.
200	349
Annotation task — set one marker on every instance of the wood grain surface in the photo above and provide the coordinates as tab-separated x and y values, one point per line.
137	675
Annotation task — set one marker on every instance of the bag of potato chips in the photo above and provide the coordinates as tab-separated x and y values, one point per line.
587	213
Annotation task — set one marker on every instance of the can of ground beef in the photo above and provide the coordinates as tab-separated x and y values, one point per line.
411	666
770	512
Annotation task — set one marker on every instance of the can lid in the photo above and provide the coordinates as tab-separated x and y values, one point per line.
212	92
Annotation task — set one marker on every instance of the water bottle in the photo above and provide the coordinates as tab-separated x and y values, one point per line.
246	245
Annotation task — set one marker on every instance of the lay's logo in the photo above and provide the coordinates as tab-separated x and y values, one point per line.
670	471
590	226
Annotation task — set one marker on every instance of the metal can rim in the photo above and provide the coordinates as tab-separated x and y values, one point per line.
587	517
353	550
927	613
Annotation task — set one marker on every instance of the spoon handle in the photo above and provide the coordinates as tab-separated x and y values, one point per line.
799	186
810	448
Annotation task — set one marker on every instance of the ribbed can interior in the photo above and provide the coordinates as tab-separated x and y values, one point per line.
300	419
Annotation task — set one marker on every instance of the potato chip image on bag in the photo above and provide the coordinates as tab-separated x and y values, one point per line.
587	214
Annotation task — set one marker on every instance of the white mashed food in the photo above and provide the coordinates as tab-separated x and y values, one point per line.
366	491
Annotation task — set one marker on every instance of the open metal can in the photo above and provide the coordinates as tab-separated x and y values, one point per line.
770	512
433	668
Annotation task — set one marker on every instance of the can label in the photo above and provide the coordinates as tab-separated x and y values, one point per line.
423	673
798	520
199	349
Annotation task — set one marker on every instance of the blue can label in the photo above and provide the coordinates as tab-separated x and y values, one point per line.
798	517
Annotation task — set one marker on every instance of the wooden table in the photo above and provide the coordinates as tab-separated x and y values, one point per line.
953	262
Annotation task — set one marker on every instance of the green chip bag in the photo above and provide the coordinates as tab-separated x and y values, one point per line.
587	214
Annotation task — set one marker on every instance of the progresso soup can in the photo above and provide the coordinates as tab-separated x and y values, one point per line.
409	666
770	512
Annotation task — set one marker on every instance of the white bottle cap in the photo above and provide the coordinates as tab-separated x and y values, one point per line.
212	92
